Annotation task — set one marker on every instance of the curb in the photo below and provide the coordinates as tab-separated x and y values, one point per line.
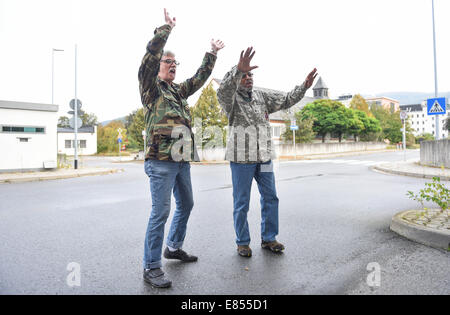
58	176
332	155
410	174
420	234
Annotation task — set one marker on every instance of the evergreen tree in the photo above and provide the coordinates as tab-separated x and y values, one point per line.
208	110
135	127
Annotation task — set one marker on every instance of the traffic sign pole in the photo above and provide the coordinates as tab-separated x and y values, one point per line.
403	117
435	72
76	114
293	128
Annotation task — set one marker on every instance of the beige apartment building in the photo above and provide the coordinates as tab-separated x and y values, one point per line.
386	102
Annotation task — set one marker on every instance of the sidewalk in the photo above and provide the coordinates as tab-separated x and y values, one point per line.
414	169
309	156
56	174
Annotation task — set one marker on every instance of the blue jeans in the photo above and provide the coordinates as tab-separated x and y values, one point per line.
164	177
242	177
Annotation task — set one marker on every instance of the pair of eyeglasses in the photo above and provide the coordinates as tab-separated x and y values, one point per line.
170	61
249	74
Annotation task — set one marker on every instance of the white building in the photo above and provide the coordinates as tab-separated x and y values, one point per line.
86	137
421	122
27	136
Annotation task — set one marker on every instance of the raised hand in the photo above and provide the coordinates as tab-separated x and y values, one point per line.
216	45
310	78
169	20
244	61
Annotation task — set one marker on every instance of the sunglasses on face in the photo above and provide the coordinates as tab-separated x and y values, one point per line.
170	61
248	74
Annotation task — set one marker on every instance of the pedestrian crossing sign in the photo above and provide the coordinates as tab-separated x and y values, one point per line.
436	106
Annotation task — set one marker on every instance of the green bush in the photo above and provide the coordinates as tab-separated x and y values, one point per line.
434	192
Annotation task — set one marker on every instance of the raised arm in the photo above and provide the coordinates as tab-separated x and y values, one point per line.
276	102
149	69
191	85
232	79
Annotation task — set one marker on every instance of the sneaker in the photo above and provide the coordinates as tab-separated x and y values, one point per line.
180	255
244	251
273	246
156	278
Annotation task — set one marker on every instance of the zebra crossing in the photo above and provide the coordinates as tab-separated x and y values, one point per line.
347	162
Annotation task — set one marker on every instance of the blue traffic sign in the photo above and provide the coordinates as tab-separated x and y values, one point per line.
294	127
119	140
436	106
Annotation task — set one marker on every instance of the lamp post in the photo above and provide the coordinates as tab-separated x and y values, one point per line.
53	70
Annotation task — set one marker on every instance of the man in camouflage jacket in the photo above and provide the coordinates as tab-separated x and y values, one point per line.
249	148
170	147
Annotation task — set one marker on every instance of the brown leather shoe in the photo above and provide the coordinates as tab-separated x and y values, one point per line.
273	246
244	251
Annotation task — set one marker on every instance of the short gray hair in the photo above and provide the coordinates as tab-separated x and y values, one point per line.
168	53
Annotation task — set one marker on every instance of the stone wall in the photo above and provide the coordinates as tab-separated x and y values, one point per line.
328	148
435	153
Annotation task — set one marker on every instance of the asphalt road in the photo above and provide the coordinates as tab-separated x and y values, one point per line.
334	221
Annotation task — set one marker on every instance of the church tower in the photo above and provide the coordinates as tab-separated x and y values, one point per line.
320	90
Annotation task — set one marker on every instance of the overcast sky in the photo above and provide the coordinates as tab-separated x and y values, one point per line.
358	46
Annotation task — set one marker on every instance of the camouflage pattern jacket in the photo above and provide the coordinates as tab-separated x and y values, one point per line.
249	136
167	117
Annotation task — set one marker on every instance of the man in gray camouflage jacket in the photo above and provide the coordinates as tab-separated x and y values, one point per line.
249	148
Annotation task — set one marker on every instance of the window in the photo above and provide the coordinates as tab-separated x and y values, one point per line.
67	144
276	132
23	129
71	144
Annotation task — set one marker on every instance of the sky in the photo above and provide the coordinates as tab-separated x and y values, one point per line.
358	46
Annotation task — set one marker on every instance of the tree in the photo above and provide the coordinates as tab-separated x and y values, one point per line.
63	122
305	132
86	118
359	103
135	128
447	123
390	122
318	111
107	137
343	120
370	129
208	110
424	137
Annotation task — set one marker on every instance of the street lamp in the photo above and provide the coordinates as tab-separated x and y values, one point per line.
53	69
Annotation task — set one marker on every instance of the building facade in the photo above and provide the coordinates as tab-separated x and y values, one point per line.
27	136
86	138
385	102
421	123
